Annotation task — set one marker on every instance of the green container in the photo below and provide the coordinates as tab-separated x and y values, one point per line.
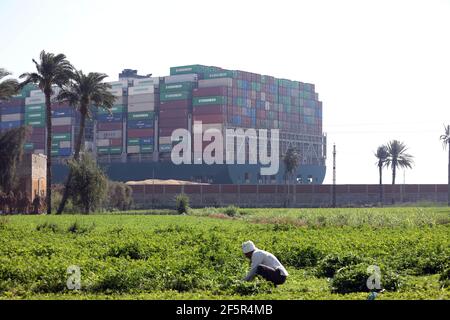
204	101
221	74
103	150
165	147
114	109
195	68
62	137
35	108
147	149
141	116
182	86
173	96
35	116
134	142
28	146
35	123
115	150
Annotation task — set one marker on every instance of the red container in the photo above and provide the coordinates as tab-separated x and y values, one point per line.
37	131
219	118
209	110
167	132
60	105
62	129
173	123
115	142
172	113
138	133
175	104
208	92
39	145
106	126
36	138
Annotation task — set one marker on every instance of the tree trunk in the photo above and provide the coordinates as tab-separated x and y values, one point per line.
49	148
78	148
394	170
381	185
448	184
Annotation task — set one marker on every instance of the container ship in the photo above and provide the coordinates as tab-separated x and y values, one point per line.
134	142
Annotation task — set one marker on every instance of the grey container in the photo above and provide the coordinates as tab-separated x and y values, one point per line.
12	117
66	121
141	107
181	78
141	98
115	134
65	144
220	82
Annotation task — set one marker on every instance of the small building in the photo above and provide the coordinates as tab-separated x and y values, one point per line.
32	175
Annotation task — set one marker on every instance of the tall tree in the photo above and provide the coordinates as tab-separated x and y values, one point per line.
11	146
291	162
82	92
397	157
381	155
446	142
8	87
51	70
89	183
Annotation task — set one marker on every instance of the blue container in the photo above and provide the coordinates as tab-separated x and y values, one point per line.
147	141
140	124
65	152
62	113
6	125
116	117
11	110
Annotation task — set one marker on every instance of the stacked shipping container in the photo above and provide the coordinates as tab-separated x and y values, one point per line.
143	101
175	107
110	123
35	117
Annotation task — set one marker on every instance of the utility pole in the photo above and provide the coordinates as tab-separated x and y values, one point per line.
334	176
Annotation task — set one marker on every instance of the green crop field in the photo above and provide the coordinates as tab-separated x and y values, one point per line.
141	255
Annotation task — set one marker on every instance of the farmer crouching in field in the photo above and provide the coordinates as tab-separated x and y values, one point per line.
265	264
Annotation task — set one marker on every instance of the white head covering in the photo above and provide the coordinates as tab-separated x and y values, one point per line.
248	246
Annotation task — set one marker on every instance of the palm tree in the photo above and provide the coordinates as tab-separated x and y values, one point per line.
82	92
397	157
382	155
446	142
8	87
50	71
291	162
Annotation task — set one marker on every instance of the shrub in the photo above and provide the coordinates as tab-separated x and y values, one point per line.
48	226
329	265
4	220
130	250
354	279
182	203
119	196
301	257
232	211
88	185
444	278
77	228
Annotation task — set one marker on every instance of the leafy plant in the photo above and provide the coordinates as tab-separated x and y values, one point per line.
182	204
232	211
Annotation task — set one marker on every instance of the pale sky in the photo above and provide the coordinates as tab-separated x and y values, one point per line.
381	68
